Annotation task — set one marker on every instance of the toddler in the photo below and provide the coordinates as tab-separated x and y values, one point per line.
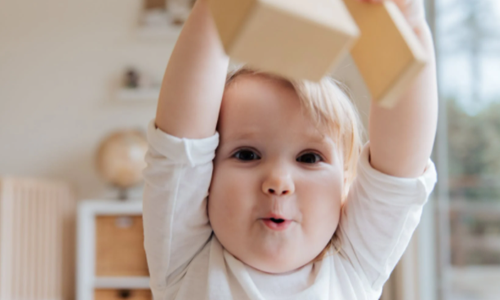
258	187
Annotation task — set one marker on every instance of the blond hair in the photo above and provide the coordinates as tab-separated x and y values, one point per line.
326	102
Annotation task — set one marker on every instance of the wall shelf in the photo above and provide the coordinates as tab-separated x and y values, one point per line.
139	94
141	282
168	33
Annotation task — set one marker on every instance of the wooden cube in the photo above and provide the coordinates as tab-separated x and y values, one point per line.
294	38
388	54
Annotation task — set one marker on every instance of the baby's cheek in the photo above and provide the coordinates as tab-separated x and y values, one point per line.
227	191
228	181
322	208
324	212
324	224
229	208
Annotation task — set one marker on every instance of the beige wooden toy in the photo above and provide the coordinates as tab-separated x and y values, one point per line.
305	39
293	38
388	54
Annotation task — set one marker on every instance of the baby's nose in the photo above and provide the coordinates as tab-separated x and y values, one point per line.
278	192
278	186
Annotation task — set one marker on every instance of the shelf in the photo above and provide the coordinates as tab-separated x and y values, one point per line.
89	214
121	282
475	280
167	32
131	95
487	242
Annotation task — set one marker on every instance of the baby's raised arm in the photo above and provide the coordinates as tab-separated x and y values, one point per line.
401	139
395	176
193	83
378	220
182	142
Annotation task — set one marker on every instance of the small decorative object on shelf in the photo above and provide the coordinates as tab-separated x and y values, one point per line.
131	78
179	10
164	18
111	258
134	79
138	86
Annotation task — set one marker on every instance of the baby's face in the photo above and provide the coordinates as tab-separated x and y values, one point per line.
272	162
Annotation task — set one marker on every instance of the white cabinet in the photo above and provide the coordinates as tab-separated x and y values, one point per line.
111	261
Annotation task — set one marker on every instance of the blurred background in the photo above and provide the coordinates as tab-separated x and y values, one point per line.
467	35
79	81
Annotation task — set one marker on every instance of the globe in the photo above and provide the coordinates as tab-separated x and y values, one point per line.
120	159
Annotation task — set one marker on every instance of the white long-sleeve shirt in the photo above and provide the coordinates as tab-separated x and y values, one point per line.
187	262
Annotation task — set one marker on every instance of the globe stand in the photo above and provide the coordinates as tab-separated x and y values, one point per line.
122	194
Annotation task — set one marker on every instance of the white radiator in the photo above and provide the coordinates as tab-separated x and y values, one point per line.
37	238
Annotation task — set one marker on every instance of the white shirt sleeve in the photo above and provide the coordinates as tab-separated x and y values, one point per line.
176	225
379	217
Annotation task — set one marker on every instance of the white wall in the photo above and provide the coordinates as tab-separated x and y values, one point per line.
60	63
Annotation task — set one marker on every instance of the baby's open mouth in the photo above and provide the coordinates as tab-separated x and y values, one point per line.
277	224
278	221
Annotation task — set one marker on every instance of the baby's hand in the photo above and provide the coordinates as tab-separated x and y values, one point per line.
413	10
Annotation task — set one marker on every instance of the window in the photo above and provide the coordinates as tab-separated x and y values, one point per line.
467	34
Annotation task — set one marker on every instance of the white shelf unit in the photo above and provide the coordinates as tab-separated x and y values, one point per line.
121	282
138	94
167	32
87	282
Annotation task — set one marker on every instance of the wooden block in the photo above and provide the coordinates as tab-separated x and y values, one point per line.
120	294
388	54
294	38
120	246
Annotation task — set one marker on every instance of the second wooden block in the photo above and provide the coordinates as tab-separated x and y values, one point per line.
388	54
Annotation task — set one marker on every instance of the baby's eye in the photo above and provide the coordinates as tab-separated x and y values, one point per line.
309	158
246	155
